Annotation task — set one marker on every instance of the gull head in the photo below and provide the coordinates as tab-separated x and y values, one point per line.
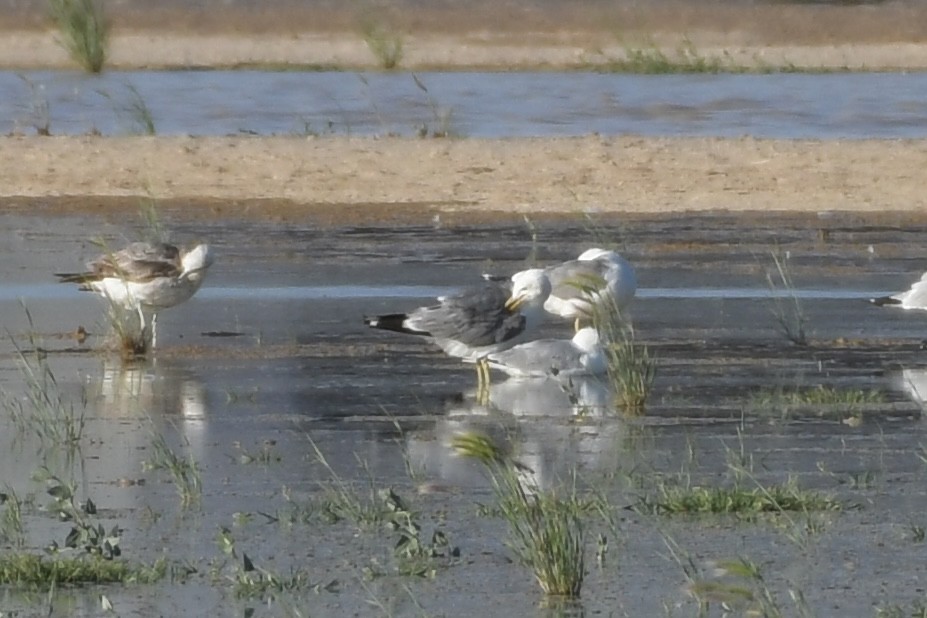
197	260
529	287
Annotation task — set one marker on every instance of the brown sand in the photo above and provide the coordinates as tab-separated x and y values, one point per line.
474	175
588	174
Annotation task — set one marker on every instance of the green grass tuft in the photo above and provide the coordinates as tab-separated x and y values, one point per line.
671	500
23	569
545	532
84	31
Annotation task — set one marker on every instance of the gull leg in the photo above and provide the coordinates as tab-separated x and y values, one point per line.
141	321
482	381
154	330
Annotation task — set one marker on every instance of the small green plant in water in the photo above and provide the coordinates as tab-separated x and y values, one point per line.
631	368
12	530
84	31
672	500
185	472
835	401
43	411
787	308
545	531
385	43
85	533
23	569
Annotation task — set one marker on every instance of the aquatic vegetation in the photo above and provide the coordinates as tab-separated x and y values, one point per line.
915	609
12	529
135	109
24	569
442	117
653	61
827	400
40	115
184	471
631	368
382	40
43	411
545	532
673	500
84	31
787	308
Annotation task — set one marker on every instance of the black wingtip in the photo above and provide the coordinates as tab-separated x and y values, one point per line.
883	301
73	277
392	321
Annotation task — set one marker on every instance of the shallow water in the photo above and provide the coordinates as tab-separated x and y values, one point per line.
839	105
297	367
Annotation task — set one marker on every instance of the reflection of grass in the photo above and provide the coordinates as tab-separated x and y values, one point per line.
544	530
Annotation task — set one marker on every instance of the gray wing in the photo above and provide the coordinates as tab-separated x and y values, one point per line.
569	279
140	261
544	356
475	317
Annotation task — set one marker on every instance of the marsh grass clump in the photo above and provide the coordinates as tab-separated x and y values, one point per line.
342	500
184	471
545	531
382	40
135	110
24	569
43	410
787	308
84	31
12	529
832	400
916	609
788	497
631	367
653	61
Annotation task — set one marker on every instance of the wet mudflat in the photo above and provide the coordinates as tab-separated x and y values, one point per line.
271	361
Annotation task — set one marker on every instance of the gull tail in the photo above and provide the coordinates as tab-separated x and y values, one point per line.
84	279
882	301
395	322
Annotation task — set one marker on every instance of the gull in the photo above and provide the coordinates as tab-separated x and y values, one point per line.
479	321
597	277
914	298
580	356
145	277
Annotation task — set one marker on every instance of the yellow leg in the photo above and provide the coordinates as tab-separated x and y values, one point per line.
482	381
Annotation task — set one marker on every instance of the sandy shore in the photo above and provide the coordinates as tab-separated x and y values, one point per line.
588	174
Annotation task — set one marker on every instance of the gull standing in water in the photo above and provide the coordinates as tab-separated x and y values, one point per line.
478	321
595	278
580	356
145	277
